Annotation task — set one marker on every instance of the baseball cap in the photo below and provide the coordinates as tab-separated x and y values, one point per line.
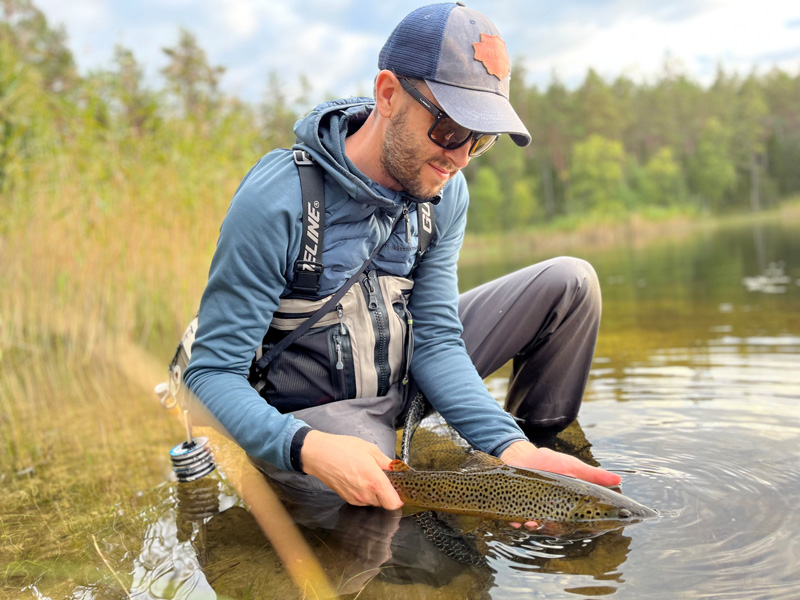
458	52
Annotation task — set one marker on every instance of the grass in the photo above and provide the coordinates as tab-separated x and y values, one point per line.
99	278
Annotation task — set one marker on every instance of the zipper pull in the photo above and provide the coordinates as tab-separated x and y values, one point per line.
339	362
373	297
408	223
340	314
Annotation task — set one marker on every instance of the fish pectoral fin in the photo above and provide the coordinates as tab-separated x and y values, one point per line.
398	466
478	461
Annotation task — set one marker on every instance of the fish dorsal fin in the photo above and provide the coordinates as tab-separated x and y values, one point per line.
478	461
398	466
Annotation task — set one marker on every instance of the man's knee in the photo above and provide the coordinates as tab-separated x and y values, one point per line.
578	279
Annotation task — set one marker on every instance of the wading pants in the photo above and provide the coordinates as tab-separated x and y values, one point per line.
543	318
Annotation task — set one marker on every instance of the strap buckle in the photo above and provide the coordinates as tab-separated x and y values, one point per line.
306	280
302	158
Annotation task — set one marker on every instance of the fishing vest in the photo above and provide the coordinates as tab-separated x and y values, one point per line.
359	348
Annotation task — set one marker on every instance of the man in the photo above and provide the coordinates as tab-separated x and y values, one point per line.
443	82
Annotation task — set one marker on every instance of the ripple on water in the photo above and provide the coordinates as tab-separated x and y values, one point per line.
711	439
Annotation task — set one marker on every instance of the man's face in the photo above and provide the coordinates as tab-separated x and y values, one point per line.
410	158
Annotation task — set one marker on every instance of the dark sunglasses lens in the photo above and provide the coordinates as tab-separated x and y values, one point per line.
449	134
482	143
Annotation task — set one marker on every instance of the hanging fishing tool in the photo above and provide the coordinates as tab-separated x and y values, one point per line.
191	459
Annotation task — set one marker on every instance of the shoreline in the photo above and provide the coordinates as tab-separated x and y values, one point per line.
636	230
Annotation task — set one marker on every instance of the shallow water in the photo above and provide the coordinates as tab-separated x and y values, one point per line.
694	399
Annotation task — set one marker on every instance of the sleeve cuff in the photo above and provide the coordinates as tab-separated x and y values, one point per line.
499	449
296	446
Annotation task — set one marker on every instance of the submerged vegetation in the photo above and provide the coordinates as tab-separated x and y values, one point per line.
111	196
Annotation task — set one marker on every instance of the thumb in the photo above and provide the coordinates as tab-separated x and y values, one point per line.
380	458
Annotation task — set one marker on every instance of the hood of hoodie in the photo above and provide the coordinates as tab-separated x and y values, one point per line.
322	133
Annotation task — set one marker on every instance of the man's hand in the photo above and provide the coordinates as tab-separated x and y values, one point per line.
351	467
525	454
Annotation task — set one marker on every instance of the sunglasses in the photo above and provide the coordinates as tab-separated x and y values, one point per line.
445	132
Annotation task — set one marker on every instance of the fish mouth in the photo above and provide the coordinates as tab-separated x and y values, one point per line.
641	512
638	513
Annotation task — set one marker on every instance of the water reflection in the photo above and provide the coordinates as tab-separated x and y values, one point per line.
200	542
174	549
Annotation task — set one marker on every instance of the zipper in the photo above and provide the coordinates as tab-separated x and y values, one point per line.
343	349
380	327
408	223
340	314
337	344
409	341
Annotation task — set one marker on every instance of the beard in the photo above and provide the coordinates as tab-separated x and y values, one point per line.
401	160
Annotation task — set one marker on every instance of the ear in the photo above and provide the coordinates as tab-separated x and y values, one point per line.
388	93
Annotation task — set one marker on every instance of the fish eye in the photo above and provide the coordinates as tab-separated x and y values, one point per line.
624	513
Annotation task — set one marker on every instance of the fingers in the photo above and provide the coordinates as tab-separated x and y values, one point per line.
525	454
351	467
599	476
387	496
602	477
528	524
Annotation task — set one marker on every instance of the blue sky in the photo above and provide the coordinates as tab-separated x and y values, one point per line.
335	43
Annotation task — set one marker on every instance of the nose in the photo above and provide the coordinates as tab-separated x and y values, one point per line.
460	156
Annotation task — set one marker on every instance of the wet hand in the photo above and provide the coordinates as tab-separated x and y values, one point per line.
351	467
524	454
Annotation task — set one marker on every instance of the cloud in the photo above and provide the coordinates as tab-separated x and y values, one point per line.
336	47
731	34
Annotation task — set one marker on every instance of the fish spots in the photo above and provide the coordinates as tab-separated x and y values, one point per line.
488	489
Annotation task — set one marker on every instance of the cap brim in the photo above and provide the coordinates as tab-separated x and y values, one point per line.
477	110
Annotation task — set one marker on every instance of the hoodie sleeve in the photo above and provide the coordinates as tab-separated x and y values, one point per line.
245	282
441	365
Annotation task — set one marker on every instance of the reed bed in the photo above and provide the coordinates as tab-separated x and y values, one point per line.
103	258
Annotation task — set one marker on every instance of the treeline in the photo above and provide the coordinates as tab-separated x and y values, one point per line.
607	148
612	148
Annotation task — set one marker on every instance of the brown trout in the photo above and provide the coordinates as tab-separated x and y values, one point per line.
487	487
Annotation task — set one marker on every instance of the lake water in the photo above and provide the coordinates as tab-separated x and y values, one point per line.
694	399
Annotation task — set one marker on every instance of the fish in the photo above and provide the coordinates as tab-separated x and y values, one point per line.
487	487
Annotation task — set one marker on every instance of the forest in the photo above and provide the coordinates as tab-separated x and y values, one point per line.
604	150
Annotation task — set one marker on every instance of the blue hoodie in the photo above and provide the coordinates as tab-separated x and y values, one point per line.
252	269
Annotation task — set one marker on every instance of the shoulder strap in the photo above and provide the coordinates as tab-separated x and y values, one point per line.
426	227
308	268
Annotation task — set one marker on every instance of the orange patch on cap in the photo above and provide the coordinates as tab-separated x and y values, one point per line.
491	51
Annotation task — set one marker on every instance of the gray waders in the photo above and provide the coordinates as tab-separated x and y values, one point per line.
544	318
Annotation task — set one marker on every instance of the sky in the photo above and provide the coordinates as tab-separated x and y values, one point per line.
335	43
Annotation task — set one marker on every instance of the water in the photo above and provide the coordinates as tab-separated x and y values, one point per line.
694	399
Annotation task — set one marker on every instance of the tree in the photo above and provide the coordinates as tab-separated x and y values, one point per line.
665	184
277	114
597	110
193	81
138	105
750	135
485	201
597	183
712	172
25	119
38	45
557	119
